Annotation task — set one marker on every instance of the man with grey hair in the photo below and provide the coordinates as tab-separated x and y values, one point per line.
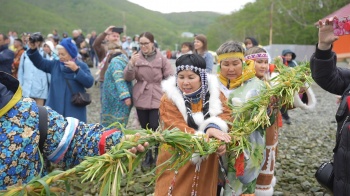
78	37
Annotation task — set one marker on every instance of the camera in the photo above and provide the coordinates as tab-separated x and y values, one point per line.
325	176
36	37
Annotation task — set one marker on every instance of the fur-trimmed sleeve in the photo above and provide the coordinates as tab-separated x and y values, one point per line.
170	116
219	120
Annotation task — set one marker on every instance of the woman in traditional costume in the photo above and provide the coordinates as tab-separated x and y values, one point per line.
239	84
192	102
266	179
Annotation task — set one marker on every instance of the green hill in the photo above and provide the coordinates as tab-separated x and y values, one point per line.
88	15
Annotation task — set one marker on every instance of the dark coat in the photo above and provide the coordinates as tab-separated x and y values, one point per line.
59	98
335	80
6	59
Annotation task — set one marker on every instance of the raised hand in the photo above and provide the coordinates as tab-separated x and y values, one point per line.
326	35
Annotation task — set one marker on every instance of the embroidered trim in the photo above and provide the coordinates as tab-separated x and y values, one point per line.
257	56
69	131
188	67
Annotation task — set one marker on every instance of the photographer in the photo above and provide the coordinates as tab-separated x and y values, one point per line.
334	80
34	82
68	76
102	50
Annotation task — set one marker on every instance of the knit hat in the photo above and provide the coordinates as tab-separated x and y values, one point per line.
69	45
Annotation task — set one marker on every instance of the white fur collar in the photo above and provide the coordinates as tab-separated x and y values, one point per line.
175	95
298	103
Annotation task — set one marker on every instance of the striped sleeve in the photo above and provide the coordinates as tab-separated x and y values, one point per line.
62	147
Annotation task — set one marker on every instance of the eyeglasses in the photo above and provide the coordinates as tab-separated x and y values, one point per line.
144	44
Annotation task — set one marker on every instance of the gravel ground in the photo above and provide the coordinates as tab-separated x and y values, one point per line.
303	146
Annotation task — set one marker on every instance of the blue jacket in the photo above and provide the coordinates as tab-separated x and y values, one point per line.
6	59
34	82
59	98
68	139
209	60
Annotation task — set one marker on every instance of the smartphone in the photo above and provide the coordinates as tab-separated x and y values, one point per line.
341	26
134	48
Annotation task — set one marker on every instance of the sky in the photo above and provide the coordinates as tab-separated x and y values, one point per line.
168	6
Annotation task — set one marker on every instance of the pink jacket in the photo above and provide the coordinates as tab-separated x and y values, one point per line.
147	91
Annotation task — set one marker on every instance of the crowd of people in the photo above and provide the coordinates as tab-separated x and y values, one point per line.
193	97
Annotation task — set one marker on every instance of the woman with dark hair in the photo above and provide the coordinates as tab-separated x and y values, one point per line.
201	48
250	42
186	48
148	67
193	103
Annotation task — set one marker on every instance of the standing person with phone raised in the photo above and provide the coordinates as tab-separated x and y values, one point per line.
335	80
102	50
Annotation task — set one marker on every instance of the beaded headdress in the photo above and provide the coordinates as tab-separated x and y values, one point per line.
257	56
195	63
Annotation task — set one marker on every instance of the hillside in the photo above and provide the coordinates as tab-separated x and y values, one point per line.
292	22
88	15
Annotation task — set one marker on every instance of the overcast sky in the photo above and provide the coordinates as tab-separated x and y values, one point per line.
167	6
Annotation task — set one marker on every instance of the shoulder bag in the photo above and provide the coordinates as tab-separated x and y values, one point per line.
80	99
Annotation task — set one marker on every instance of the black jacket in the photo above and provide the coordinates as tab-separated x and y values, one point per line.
6	59
335	80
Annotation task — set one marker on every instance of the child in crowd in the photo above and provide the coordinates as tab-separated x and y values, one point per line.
288	57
